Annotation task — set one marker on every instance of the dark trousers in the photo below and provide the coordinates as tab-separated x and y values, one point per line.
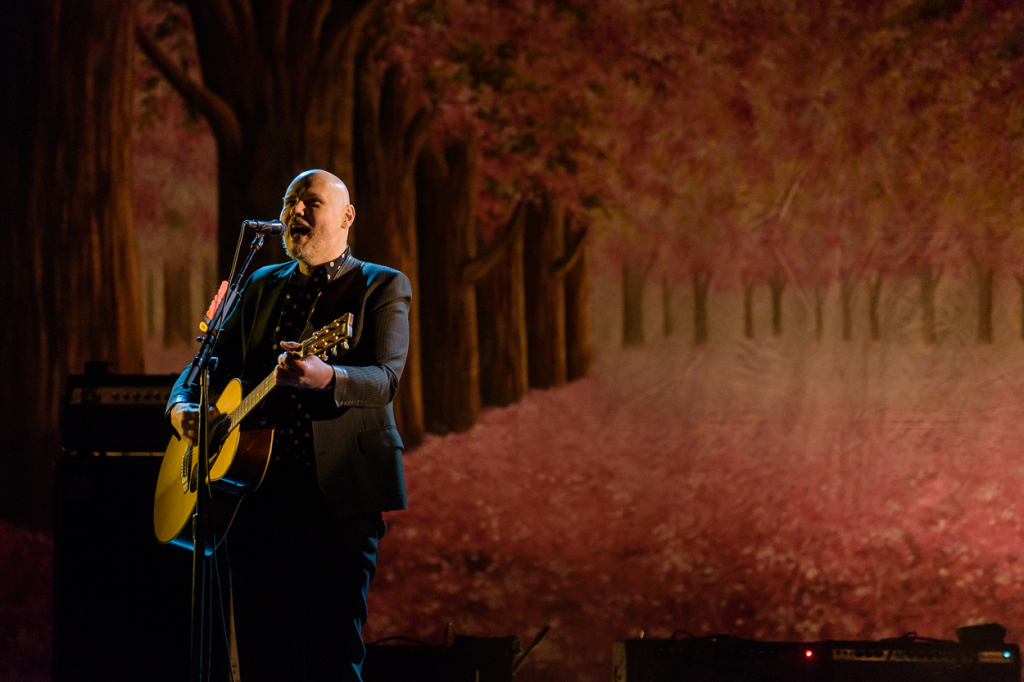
300	579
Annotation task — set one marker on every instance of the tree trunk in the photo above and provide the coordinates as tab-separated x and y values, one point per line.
70	270
545	292
392	129
277	92
501	321
929	279
579	351
701	284
179	326
846	303
985	279
633	277
748	310
446	207
819	312
666	307
874	296
777	286
1020	281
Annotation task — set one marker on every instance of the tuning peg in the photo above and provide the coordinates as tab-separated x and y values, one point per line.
334	351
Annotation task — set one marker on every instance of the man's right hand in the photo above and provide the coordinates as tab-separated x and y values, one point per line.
185	420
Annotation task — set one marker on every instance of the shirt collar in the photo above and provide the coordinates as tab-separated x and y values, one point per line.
329	271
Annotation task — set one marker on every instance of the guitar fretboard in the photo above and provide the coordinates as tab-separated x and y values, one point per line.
251	401
337	332
257	395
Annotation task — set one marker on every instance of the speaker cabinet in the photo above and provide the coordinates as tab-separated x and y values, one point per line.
122	601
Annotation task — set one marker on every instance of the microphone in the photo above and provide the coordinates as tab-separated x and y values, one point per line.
272	227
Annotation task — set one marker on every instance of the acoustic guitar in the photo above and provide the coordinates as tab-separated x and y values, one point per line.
238	459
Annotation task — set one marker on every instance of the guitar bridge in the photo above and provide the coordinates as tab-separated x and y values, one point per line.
186	470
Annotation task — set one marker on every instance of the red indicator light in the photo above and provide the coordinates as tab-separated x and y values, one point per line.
808	653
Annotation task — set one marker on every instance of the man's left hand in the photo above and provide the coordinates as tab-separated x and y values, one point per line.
307	372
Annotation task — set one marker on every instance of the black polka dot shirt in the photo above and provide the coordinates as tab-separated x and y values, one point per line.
293	435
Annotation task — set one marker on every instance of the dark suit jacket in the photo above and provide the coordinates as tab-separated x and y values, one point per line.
358	448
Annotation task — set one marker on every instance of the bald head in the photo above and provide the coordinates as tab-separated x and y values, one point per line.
324	179
318	215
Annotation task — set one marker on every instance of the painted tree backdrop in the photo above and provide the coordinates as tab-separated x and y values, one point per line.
764	256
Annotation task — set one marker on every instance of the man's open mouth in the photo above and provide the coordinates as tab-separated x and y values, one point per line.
297	230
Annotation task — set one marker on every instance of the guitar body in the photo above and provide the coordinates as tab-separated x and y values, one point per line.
237	467
240	458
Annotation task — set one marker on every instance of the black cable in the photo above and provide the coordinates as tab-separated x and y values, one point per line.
238	250
684	632
209	623
400	639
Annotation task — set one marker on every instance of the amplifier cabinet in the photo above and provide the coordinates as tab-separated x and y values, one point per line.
121	600
735	660
116	413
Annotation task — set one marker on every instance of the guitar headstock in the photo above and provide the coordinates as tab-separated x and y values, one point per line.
335	335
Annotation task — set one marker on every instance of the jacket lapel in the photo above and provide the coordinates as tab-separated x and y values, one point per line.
270	293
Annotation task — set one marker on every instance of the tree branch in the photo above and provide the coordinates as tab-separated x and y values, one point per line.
418	130
218	113
475	269
790	193
565	263
349	37
367	106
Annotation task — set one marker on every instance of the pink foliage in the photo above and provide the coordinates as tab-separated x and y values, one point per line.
174	155
798	492
679	490
26	603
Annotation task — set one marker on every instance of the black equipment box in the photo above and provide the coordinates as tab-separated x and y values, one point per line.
116	412
734	660
121	600
468	659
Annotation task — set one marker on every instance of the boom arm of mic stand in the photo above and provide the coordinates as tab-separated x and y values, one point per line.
202	358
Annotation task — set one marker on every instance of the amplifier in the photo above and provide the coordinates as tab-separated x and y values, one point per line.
121	600
716	660
116	412
905	659
728	659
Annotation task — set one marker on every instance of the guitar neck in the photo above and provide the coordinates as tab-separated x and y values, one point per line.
251	401
336	333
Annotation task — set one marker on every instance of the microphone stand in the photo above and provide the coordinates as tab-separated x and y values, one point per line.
202	535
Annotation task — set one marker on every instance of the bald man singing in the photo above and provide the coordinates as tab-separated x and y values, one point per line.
303	546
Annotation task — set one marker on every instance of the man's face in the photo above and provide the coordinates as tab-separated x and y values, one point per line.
317	214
